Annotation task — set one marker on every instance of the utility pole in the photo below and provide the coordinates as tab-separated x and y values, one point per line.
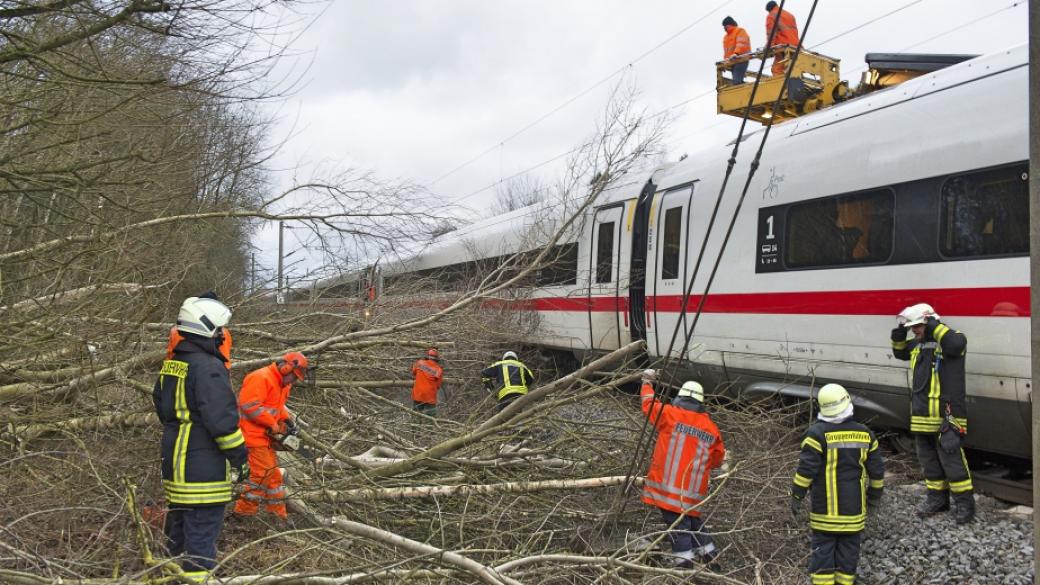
280	292
1034	263
252	273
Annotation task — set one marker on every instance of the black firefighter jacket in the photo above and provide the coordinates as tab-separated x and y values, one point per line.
937	383
842	464
199	413
507	377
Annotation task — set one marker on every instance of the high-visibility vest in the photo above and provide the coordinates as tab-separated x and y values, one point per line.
509	377
786	28
428	377
688	447
736	42
261	404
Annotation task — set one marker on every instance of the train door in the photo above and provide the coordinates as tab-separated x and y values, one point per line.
605	305
670	249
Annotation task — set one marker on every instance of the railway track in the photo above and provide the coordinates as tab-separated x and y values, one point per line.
993	482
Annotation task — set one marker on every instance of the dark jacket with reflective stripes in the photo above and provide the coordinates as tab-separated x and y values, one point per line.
937	365
842	464
507	377
199	413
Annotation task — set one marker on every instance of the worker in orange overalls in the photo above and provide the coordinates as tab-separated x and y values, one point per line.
689	446
786	34
735	44
428	375
263	418
224	346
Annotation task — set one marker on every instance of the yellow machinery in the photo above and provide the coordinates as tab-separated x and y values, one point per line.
815	83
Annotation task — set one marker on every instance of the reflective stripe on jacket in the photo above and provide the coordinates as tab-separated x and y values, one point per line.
688	447
736	42
261	403
937	378
428	376
194	402
841	462
508	377
786	29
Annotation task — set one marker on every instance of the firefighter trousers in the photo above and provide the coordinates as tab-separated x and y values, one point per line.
264	485
193	532
834	558
689	535
942	471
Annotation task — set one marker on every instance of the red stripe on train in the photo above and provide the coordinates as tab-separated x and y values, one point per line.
965	302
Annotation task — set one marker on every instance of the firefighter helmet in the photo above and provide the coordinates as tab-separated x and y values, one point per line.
692	390
202	316
833	399
916	314
509	355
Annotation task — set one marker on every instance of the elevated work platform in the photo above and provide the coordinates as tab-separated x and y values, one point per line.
815	83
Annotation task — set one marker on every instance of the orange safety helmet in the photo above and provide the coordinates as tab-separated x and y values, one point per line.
294	363
433	354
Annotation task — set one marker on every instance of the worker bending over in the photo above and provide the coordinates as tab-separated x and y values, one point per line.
507	378
689	446
839	460
265	423
201	440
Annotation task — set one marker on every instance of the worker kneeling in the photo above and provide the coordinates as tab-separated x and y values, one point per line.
689	446
837	454
266	425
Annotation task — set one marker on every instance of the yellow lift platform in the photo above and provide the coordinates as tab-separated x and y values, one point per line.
815	83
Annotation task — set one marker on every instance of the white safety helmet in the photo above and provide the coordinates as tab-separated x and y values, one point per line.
916	314
692	390
202	316
509	355
833	399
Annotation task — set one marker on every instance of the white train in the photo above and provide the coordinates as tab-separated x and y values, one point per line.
915	193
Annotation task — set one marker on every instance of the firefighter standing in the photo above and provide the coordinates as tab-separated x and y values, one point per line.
786	34
938	412
201	441
735	44
508	378
841	463
265	419
429	375
689	446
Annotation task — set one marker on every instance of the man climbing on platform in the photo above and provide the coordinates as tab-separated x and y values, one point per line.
842	465
735	44
266	424
938	409
201	440
507	378
428	375
786	35
689	446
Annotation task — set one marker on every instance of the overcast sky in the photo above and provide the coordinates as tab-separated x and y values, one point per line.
415	89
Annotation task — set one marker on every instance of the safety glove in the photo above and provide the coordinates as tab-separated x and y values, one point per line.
649	376
873	501
796	508
241	473
899	333
950	436
291	427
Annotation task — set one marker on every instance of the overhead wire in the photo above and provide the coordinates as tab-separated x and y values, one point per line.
582	93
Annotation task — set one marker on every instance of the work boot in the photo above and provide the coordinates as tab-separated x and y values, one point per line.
964	507
710	561
936	501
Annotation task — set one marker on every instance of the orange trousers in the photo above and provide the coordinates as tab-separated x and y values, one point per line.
779	64
264	485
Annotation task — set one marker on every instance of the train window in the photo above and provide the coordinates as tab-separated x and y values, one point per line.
986	213
672	242
562	267
605	252
840	231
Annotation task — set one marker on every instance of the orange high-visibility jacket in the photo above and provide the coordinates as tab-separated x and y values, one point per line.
428	377
736	42
225	346
261	404
688	447
786	29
